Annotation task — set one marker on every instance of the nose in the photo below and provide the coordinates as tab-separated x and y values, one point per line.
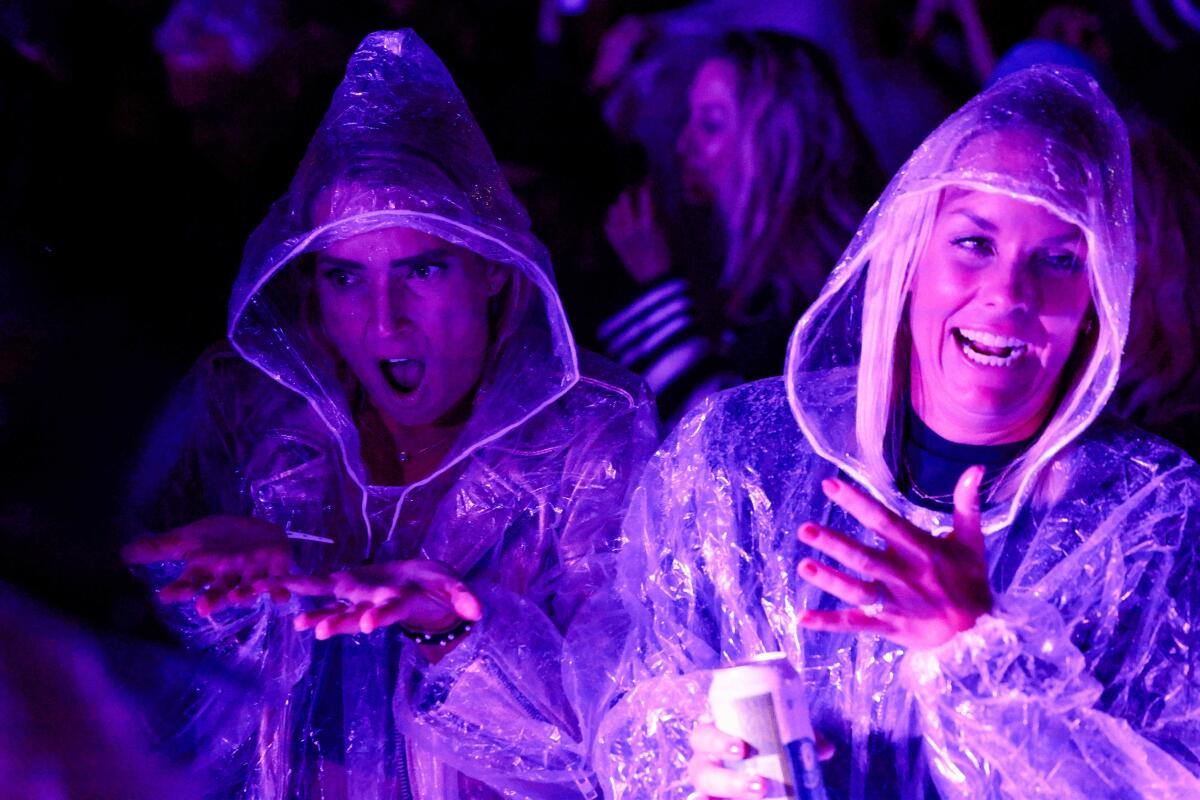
683	144
1008	284
391	307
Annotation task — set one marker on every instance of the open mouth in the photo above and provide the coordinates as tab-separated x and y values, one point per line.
404	375
989	349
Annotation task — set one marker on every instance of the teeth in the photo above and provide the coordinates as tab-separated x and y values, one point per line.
991	361
992	339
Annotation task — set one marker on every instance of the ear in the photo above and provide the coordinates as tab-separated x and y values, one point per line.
496	276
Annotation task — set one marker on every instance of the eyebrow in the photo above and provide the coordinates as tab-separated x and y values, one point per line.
334	261
982	222
420	258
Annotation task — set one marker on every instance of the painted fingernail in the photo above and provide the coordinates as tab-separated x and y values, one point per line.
830	486
808	568
756	786
808	531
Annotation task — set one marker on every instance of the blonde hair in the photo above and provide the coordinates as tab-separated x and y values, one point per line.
897	244
806	172
1160	375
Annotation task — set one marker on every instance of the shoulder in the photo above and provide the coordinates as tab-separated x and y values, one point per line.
607	404
1118	475
603	382
747	413
224	389
1114	450
746	429
604	393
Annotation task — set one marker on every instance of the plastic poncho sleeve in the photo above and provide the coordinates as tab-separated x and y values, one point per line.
192	468
669	634
496	707
1021	706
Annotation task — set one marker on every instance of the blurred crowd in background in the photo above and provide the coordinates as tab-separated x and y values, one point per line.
695	169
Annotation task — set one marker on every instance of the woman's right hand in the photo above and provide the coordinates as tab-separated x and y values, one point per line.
634	233
224	558
712	779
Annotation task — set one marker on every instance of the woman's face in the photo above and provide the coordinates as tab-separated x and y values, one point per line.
707	144
998	300
408	313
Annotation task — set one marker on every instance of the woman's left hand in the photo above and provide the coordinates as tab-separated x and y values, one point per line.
920	590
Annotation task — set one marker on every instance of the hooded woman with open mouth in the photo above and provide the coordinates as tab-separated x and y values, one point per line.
401	444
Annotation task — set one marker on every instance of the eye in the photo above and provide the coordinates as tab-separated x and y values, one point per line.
424	272
980	246
339	277
1062	261
712	124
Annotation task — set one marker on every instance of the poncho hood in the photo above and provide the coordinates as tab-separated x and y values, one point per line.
1064	149
398	147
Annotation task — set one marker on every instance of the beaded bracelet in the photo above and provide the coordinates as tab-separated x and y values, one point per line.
438	639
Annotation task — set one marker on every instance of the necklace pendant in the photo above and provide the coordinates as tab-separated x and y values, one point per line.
403	457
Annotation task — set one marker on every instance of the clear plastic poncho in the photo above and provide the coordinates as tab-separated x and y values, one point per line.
526	505
1083	682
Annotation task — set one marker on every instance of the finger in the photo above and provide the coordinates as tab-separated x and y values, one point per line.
849	620
458	596
825	748
966	509
709	740
384	614
348	622
217	596
872	515
717	781
304	585
850	553
186	586
271	585
306	620
849	590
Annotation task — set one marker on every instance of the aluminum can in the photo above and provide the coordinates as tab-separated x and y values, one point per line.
761	701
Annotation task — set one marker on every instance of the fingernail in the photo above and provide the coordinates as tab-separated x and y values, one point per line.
735	749
756	786
808	568
808	531
830	486
974	477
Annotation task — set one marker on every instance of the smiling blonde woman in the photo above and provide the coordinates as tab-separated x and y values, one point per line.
988	588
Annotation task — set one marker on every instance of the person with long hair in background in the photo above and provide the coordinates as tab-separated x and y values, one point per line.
773	155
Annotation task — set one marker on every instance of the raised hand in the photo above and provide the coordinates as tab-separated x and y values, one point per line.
920	590
634	233
226	559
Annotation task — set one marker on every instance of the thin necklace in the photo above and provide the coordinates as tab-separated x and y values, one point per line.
404	456
985	485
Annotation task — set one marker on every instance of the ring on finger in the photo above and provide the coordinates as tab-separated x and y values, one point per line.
875	607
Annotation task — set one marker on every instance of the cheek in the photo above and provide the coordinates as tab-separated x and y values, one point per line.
342	323
1064	303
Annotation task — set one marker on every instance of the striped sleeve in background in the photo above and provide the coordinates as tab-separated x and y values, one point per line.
657	337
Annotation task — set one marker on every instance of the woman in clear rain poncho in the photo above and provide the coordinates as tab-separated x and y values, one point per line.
401	400
1042	641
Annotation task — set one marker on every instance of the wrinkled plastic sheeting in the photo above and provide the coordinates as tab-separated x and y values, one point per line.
1083	681
526	505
